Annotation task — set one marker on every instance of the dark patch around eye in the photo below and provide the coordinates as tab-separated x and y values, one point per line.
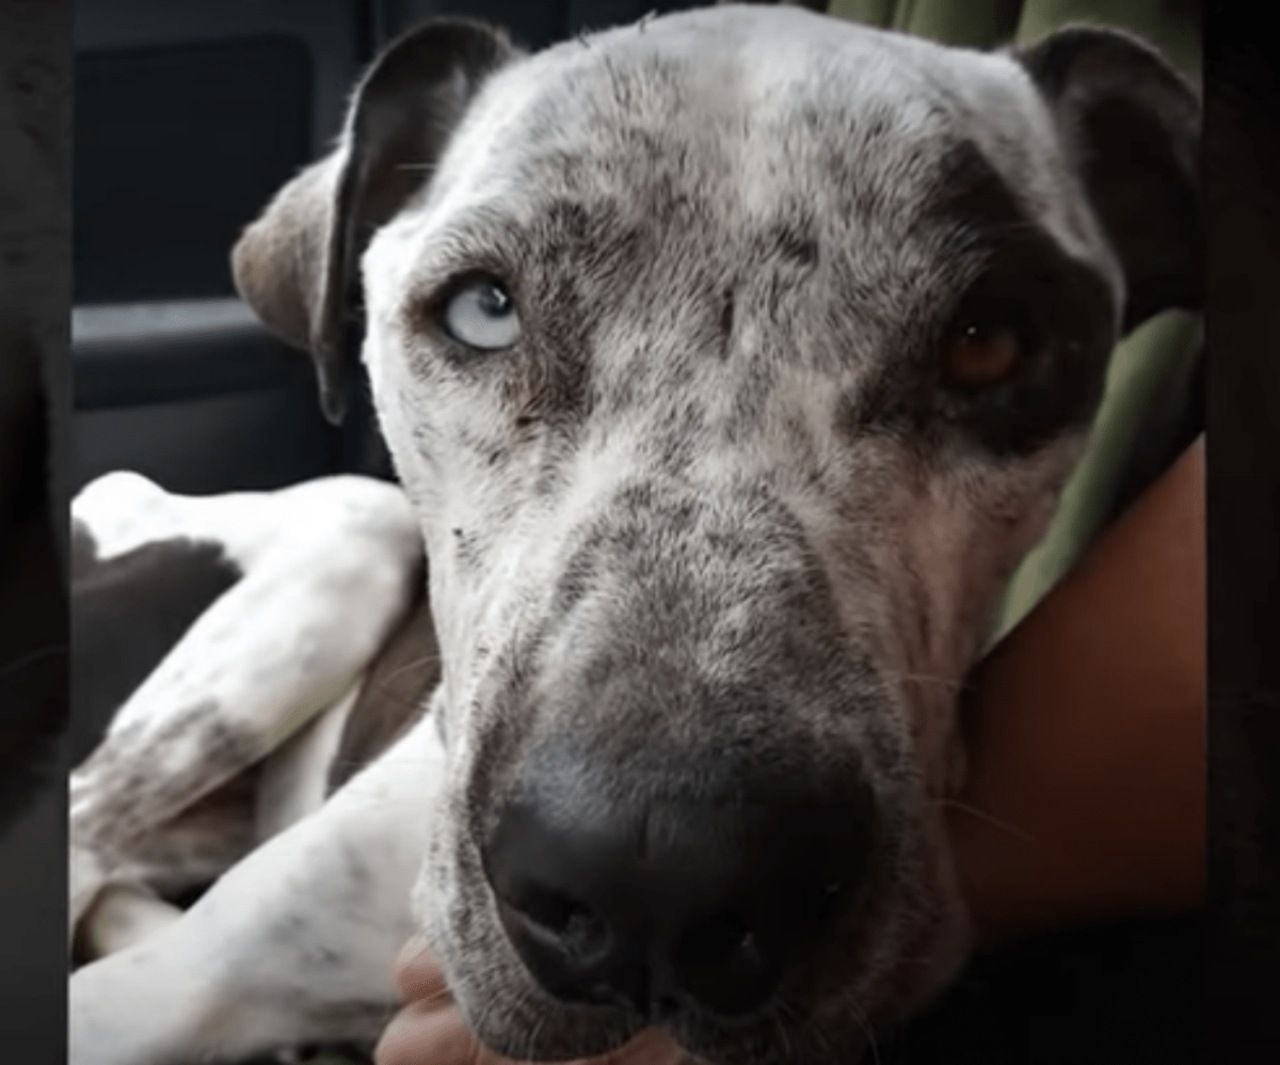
1064	316
1062	312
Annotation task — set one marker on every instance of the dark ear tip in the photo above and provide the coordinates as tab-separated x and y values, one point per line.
1077	39
437	37
1109	54
1133	123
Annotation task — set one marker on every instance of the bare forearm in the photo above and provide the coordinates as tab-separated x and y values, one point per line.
1086	791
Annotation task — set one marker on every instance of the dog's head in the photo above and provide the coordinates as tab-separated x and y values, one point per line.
731	360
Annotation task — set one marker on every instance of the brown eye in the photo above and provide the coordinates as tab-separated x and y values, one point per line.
977	355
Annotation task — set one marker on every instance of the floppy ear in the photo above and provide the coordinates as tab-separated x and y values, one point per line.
1131	126
297	265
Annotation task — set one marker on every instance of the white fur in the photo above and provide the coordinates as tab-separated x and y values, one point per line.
268	930
327	572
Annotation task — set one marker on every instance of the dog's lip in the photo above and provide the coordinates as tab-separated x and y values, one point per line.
719	1044
676	1040
653	1044
598	1031
595	1029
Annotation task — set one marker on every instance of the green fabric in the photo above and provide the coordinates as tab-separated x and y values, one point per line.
991	23
1146	358
971	24
1138	367
872	12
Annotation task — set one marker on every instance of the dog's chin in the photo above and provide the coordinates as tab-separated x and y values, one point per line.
500	1002
764	1041
513	1018
539	1030
911	945
927	966
888	962
928	955
563	1034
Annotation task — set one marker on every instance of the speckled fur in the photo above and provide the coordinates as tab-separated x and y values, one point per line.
267	655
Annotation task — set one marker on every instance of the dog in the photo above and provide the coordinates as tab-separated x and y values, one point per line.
730	362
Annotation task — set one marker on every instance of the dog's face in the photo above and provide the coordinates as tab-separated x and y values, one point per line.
732	361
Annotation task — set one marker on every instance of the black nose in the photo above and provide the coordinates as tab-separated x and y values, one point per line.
662	905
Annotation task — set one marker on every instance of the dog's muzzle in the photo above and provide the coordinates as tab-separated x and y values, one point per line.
687	784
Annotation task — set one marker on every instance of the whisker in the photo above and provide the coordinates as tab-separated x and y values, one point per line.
533	1033
419	663
848	998
929	678
991	819
860	1016
781	1029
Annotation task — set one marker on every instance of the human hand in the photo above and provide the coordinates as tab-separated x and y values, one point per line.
430	1029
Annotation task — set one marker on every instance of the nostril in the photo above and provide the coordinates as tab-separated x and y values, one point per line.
550	909
719	961
570	923
718	940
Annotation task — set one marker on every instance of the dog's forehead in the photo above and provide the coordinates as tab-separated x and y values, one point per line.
744	104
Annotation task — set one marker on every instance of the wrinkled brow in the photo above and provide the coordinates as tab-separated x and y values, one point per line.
590	234
481	239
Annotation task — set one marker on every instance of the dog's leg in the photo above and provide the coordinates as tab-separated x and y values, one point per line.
258	663
124	914
190	851
262	660
294	779
295	944
87	875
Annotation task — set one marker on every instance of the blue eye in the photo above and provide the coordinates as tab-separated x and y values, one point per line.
483	316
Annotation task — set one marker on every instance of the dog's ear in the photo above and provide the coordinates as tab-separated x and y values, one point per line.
1131	126
297	265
